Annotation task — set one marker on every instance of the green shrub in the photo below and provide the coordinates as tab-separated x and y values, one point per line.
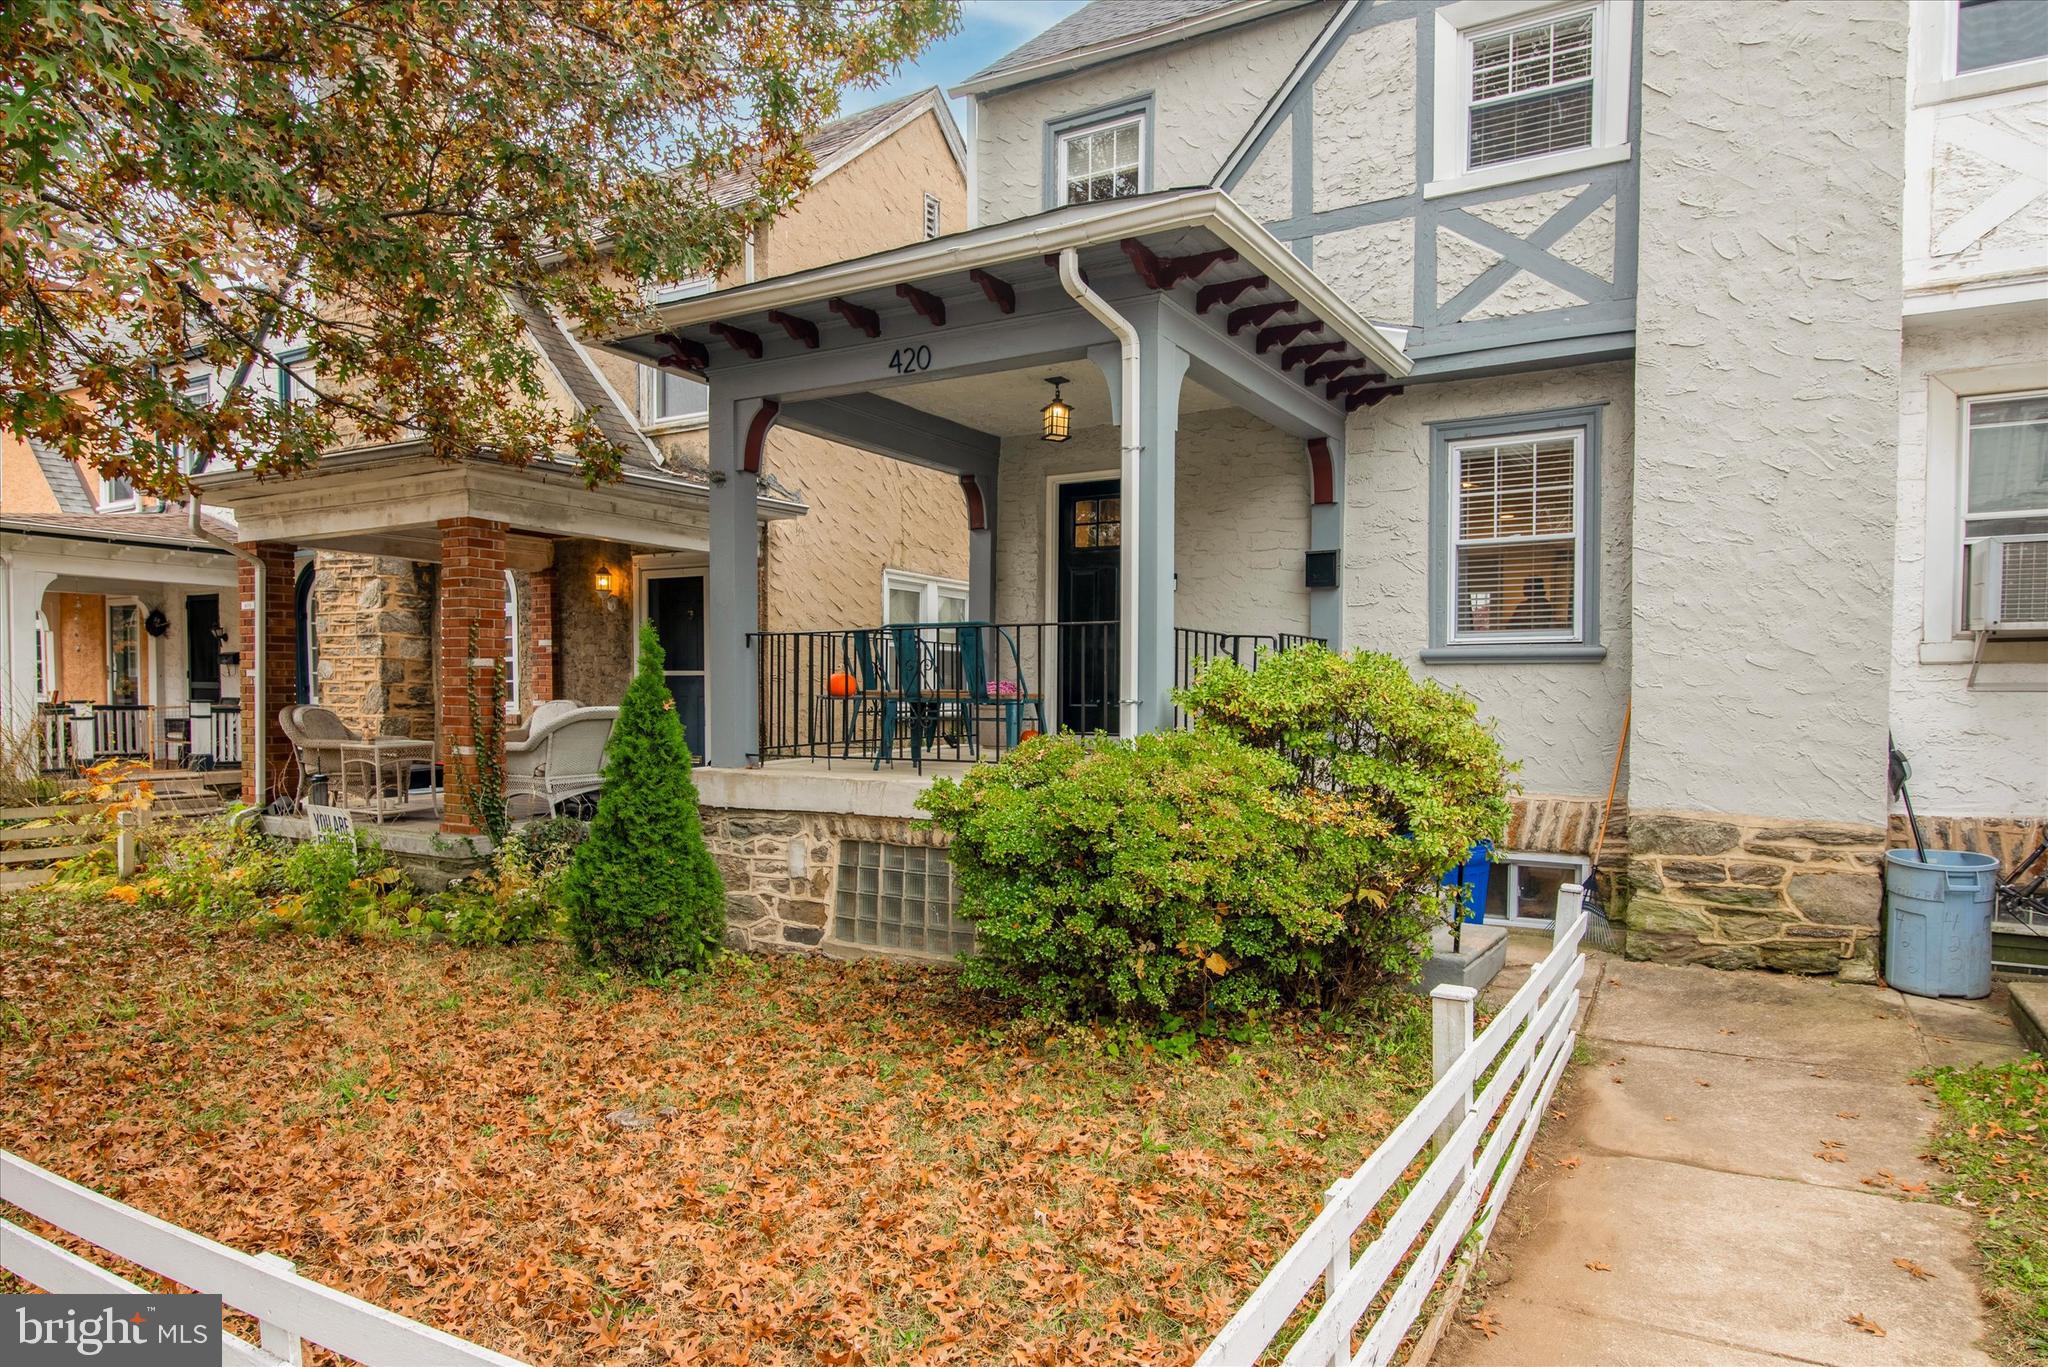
642	892
215	873
1394	780
1288	851
337	885
1136	878
516	897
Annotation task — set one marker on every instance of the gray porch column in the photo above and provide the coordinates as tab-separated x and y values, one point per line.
1326	533
733	588
980	492
1148	568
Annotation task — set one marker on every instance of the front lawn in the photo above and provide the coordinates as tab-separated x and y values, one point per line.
792	1160
1992	1140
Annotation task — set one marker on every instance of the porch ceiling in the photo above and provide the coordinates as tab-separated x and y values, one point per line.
990	300
1007	403
393	504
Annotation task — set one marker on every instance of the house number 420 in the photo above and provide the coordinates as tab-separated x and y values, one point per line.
908	360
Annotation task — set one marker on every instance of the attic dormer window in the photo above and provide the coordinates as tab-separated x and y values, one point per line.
1102	161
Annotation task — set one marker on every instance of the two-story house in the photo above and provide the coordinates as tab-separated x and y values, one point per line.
1652	371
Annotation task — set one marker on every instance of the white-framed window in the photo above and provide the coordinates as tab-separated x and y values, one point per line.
2005	464
932	217
669	396
912	597
199	389
1522	887
1098	161
1528	88
117	495
511	644
1995	33
1517	538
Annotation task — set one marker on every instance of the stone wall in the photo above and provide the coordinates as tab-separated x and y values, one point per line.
769	904
373	625
593	638
1754	892
2010	838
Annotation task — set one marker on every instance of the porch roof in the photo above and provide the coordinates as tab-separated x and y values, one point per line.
1269	311
390	501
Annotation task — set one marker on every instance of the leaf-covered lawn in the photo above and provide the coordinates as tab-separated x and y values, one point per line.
1993	1142
794	1160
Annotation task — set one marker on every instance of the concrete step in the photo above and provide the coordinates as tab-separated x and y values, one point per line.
2030	1013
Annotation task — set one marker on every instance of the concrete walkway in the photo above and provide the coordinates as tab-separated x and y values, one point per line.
1741	1159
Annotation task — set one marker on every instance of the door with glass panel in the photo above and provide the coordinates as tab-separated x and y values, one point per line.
1090	570
675	607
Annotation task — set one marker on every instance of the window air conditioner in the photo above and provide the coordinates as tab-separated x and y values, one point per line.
2008	584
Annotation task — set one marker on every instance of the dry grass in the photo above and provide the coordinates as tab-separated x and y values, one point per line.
824	1162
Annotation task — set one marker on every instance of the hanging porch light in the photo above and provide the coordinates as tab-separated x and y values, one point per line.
1057	416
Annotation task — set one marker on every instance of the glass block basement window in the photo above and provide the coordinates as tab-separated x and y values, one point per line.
898	897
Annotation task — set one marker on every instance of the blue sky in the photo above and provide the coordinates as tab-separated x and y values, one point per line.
988	29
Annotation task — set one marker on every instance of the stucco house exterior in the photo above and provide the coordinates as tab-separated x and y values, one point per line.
1619	363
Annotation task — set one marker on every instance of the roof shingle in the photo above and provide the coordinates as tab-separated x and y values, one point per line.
1101	22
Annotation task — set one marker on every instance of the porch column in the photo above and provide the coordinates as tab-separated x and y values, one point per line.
738	432
1326	535
980	490
21	600
541	614
1148	577
470	626
280	634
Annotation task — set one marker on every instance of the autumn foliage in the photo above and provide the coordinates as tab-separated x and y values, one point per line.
642	891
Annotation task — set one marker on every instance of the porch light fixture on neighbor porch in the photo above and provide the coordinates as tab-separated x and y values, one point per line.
608	588
1058	415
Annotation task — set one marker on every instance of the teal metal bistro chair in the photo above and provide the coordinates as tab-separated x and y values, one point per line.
1007	694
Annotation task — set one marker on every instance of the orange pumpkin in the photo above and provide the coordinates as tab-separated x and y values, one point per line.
842	685
1026	734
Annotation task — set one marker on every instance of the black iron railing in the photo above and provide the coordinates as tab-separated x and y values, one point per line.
955	690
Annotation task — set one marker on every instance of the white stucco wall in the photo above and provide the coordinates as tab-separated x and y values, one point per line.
1206	94
1240	523
1974	752
1560	721
1766	407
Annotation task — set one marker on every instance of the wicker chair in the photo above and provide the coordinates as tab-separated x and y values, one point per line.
561	756
316	734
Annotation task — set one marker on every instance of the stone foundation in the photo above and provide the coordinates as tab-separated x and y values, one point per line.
1545	824
1755	892
781	869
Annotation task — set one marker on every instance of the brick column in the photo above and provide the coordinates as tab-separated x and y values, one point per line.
541	613
280	667
470	624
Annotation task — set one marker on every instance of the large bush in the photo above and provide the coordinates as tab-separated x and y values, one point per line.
1133	878
1287	851
642	893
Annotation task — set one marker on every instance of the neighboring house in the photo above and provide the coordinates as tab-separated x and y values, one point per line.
118	624
1561	350
396	578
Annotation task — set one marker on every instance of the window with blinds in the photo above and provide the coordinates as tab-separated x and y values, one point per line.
1992	33
1532	90
1103	162
2005	454
1516	527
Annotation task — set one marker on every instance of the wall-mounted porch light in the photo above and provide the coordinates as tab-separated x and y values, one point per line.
608	588
606	582
1057	416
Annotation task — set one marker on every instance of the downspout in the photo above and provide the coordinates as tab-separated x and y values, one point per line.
1127	628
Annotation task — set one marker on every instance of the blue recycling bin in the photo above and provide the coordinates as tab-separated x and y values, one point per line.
1474	873
1938	922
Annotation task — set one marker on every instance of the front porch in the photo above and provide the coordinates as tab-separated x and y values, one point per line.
1189	504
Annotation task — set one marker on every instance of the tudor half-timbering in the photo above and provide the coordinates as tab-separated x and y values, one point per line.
1555	348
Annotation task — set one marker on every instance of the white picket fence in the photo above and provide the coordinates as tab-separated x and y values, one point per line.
1480	1142
288	1308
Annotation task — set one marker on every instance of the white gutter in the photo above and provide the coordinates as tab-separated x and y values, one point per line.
1127	628
255	676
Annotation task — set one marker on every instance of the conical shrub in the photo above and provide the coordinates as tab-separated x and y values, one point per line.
643	893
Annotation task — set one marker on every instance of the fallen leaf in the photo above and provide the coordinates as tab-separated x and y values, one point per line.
1829	1156
1598	1267
1867	1325
1614	1079
1671	1117
1912	1269
1571	1162
1727	1032
1846	1115
1702	1082
1912	1188
1484	1322
1831	1143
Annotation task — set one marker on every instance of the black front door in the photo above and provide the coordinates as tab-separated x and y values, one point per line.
1090	574
202	647
675	605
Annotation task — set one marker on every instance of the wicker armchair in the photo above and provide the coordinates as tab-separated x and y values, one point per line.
561	756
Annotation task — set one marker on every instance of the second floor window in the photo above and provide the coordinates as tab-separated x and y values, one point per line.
1516	532
2005	456
116	494
1532	90
1104	161
673	397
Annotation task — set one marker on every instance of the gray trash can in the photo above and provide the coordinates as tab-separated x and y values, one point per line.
1938	922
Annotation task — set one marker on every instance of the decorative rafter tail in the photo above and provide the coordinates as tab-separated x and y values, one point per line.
998	291
1163	273
864	321
1226	291
684	354
1285	333
1370	395
1308	351
925	304
1255	315
799	329
739	339
1330	370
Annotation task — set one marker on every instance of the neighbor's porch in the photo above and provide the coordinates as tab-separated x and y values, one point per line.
1181	500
